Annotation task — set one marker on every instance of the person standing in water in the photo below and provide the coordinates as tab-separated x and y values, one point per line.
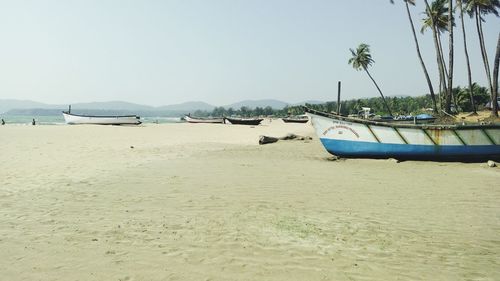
3	122
33	122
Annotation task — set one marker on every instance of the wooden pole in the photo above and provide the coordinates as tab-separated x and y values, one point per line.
338	99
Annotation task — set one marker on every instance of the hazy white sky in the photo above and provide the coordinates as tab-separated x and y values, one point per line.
218	51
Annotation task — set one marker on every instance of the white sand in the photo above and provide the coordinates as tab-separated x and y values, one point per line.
205	202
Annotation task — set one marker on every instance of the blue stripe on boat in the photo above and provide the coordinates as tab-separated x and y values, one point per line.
345	148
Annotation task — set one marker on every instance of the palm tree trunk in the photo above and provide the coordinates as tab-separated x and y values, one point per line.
445	68
427	78
484	54
380	92
494	105
439	58
469	73
450	59
444	73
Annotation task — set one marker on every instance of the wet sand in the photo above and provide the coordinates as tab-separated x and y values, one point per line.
205	202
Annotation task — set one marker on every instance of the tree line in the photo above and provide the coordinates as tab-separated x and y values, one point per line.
440	19
399	105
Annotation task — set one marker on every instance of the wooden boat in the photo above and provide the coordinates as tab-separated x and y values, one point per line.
73	119
216	120
352	137
244	121
295	119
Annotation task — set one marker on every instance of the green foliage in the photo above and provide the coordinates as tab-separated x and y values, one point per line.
438	14
483	6
399	105
361	58
479	93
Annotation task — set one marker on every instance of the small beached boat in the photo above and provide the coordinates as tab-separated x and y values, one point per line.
418	119
216	120
352	137
301	119
244	121
74	119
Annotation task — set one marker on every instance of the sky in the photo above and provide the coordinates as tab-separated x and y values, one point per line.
218	51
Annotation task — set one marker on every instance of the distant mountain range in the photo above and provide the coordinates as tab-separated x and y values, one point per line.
276	104
27	107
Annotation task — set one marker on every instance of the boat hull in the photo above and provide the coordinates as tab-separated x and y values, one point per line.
75	119
238	121
194	120
347	137
292	120
353	149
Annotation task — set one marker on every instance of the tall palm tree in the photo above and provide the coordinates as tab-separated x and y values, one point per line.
494	96
437	21
361	60
437	15
450	93
477	9
469	73
424	68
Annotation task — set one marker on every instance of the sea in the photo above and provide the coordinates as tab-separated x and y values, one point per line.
59	120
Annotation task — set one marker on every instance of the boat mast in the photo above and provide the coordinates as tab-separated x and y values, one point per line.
338	98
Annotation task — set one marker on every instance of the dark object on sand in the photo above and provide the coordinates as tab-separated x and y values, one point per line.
267	139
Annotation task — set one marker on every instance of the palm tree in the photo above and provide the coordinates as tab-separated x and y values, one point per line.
361	60
437	20
479	94
494	98
450	93
469	73
424	68
477	9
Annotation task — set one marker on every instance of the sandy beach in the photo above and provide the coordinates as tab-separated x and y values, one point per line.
206	202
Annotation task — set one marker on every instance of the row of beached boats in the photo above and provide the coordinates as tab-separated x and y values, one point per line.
241	121
224	120
74	119
364	138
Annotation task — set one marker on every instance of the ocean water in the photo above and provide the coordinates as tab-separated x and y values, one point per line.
59	120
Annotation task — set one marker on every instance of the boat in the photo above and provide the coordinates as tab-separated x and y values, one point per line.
217	120
359	138
74	119
243	121
300	119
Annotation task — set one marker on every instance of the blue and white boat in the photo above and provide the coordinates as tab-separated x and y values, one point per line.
358	138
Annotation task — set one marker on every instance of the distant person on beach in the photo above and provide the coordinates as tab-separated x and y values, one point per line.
3	122
33	122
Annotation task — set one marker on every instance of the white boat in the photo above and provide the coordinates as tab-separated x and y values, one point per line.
352	137
73	119
203	120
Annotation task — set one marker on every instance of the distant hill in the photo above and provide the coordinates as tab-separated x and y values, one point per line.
112	105
188	106
310	102
276	104
8	104
31	108
26	107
